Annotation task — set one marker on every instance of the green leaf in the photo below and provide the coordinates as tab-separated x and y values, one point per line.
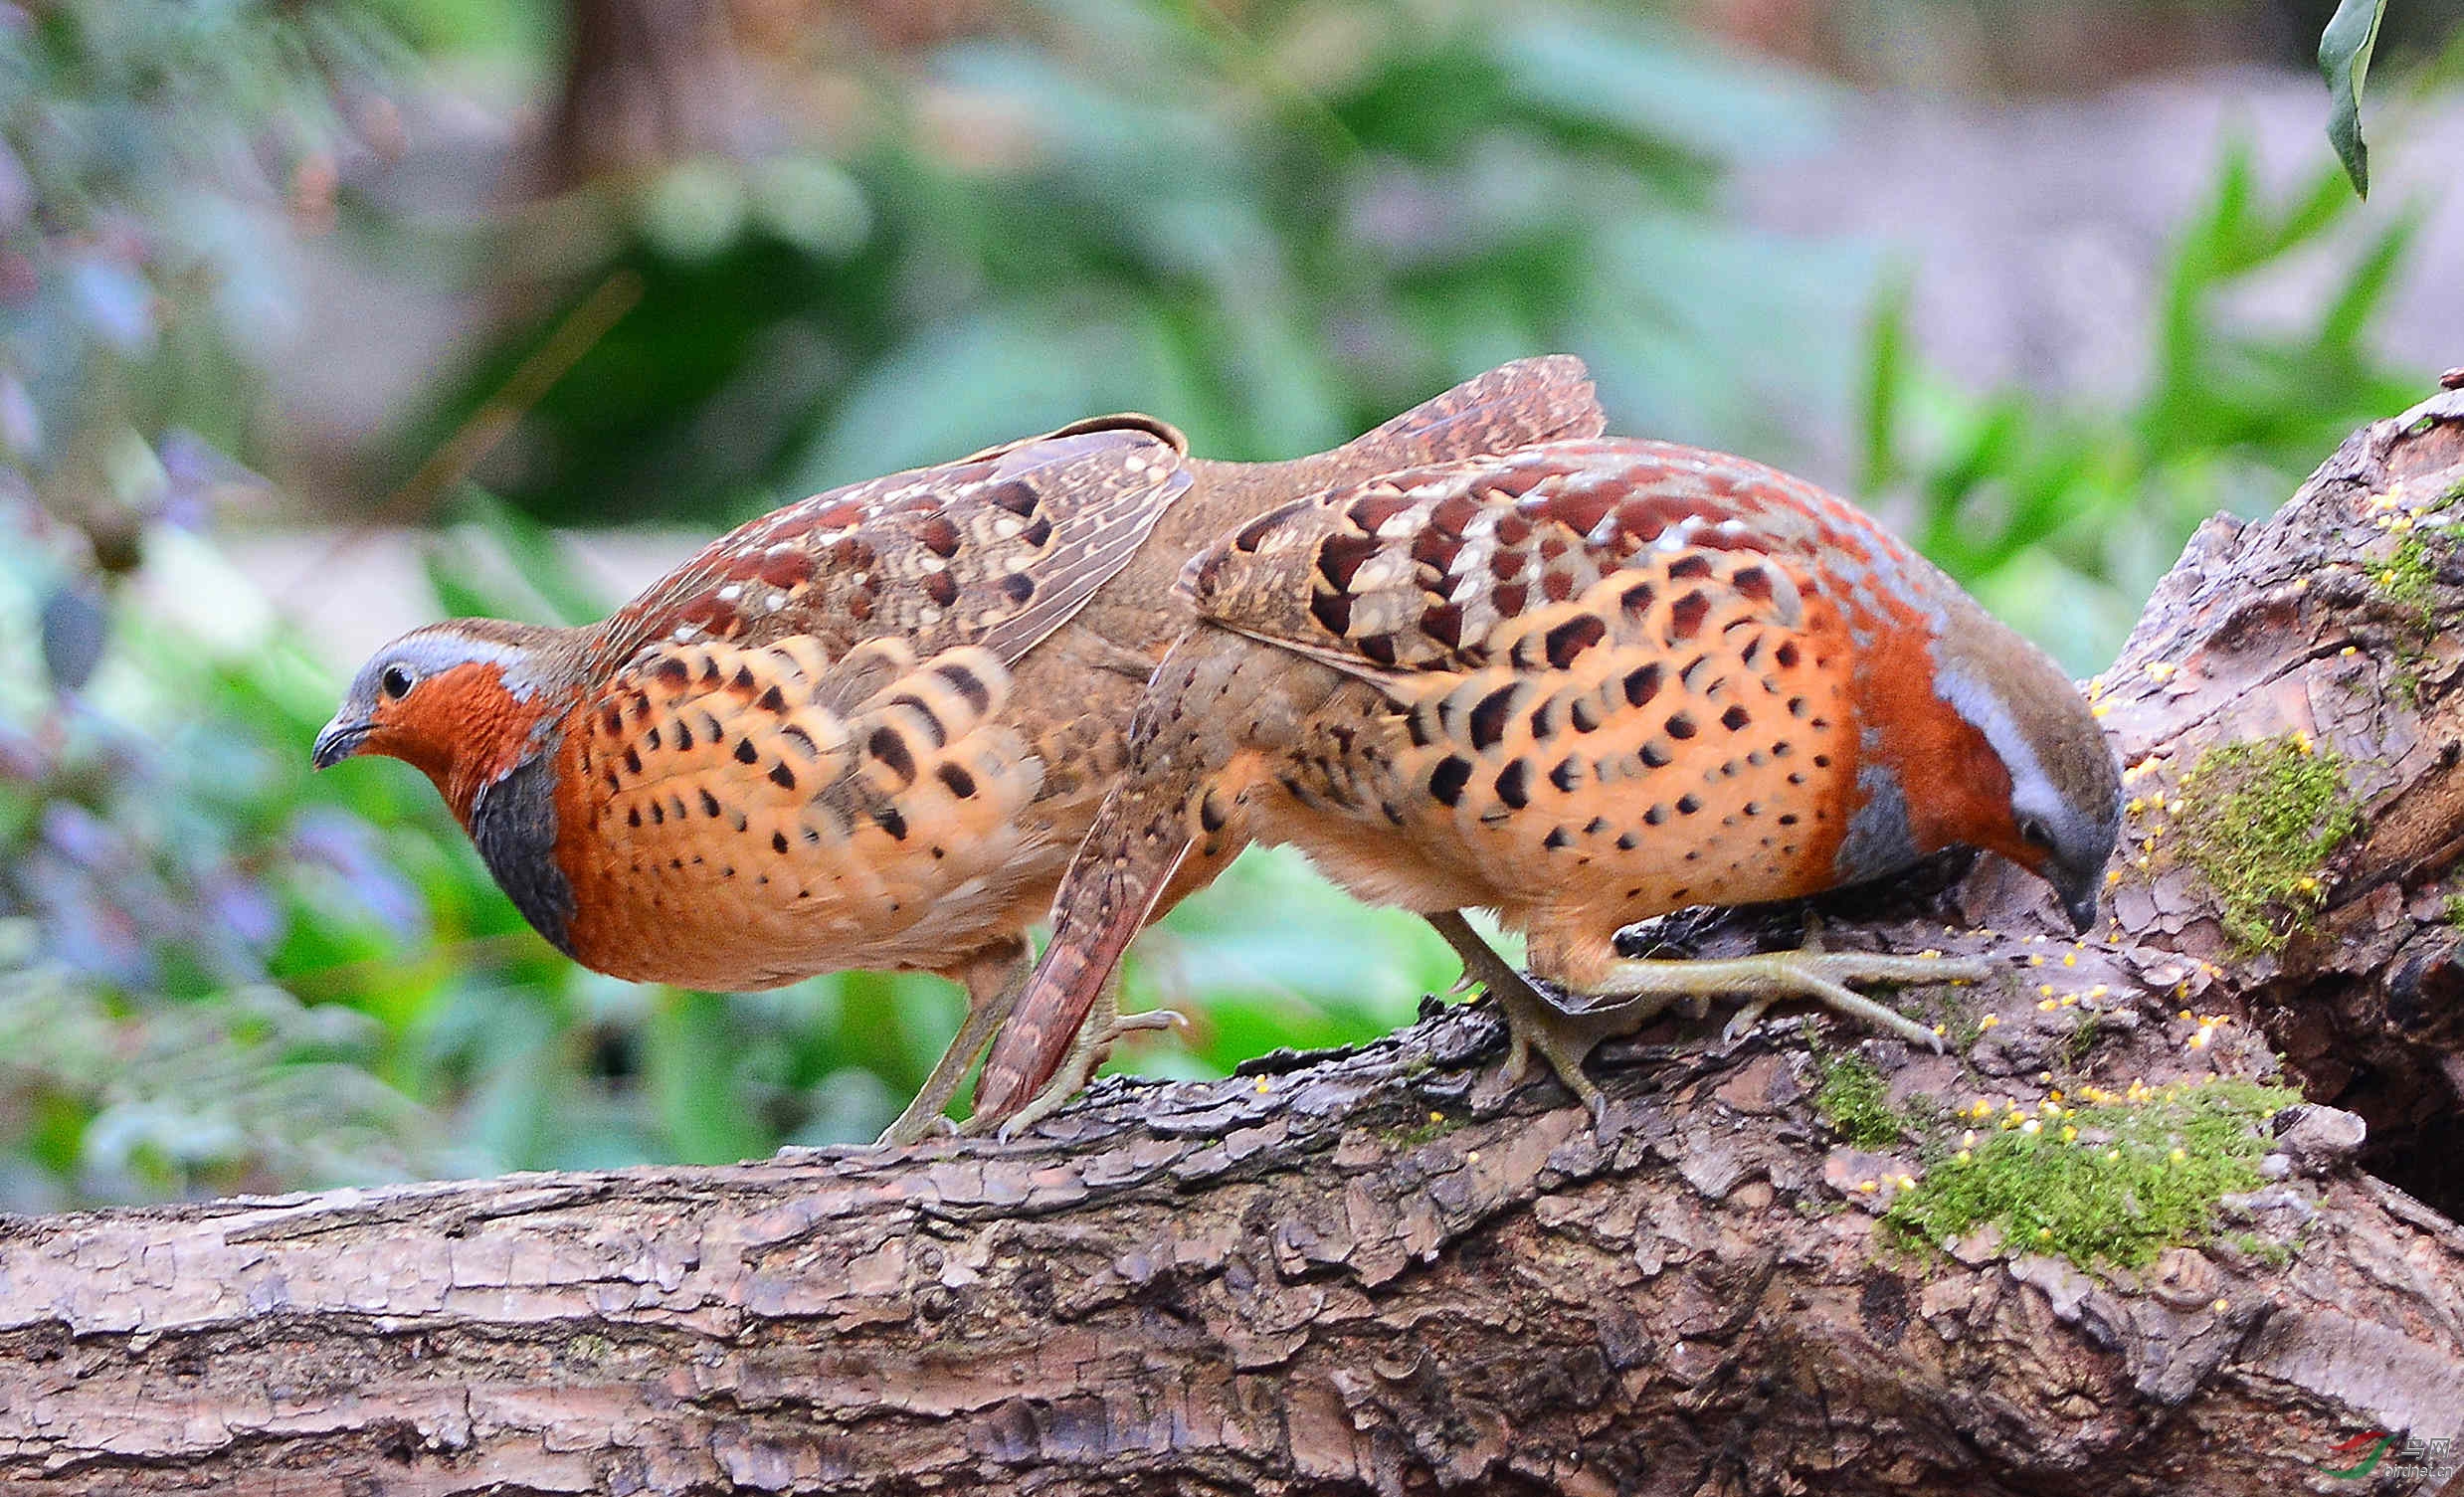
1887	374
2343	56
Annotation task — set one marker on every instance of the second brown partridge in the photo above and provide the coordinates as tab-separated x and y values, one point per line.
866	730
1580	683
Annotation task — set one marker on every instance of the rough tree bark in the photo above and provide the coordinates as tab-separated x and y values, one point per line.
1359	1272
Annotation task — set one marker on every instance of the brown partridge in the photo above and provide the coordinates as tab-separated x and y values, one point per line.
866	730
1580	683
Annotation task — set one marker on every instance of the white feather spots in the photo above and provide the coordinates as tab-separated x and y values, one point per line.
685	632
775	602
859	579
781	548
928	615
1385	569
1007	526
731	592
931	564
1018	563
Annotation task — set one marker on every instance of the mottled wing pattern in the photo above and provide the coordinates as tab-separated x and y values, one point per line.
996	550
790	800
1440	567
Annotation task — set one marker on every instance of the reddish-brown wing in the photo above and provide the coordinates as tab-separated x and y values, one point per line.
996	550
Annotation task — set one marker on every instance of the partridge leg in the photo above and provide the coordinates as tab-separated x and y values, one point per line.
994	982
1533	1023
1639	990
1105	1022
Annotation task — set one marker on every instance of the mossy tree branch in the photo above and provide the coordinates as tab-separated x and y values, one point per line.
1363	1273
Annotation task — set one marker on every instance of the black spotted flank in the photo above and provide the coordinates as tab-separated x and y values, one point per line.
780	776
1574	637
933	729
672	670
887	745
1015	496
1446	781
1686	615
966	683
1514	784
956	780
709	805
746	753
1642	684
1017	587
1681	725
1488	719
1735	718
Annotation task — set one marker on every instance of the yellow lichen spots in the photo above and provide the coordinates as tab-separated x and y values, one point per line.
2161	672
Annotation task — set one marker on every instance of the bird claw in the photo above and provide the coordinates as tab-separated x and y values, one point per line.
1086	1053
1822	976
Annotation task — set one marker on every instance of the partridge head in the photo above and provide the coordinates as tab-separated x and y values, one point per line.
866	730
1581	683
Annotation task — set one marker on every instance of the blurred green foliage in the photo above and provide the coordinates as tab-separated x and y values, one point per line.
219	972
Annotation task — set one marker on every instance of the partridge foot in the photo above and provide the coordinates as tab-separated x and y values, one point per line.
1105	1025
1639	990
927	1116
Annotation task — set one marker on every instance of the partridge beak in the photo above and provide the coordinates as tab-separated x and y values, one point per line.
2079	893
339	742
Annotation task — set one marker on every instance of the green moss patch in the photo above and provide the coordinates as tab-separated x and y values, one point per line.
2116	1182
1854	1099
2259	819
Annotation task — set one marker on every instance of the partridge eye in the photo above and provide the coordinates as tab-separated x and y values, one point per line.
395	682
2033	832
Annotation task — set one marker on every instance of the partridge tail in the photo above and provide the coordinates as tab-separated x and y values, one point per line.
1127	859
1215	697
1512	406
